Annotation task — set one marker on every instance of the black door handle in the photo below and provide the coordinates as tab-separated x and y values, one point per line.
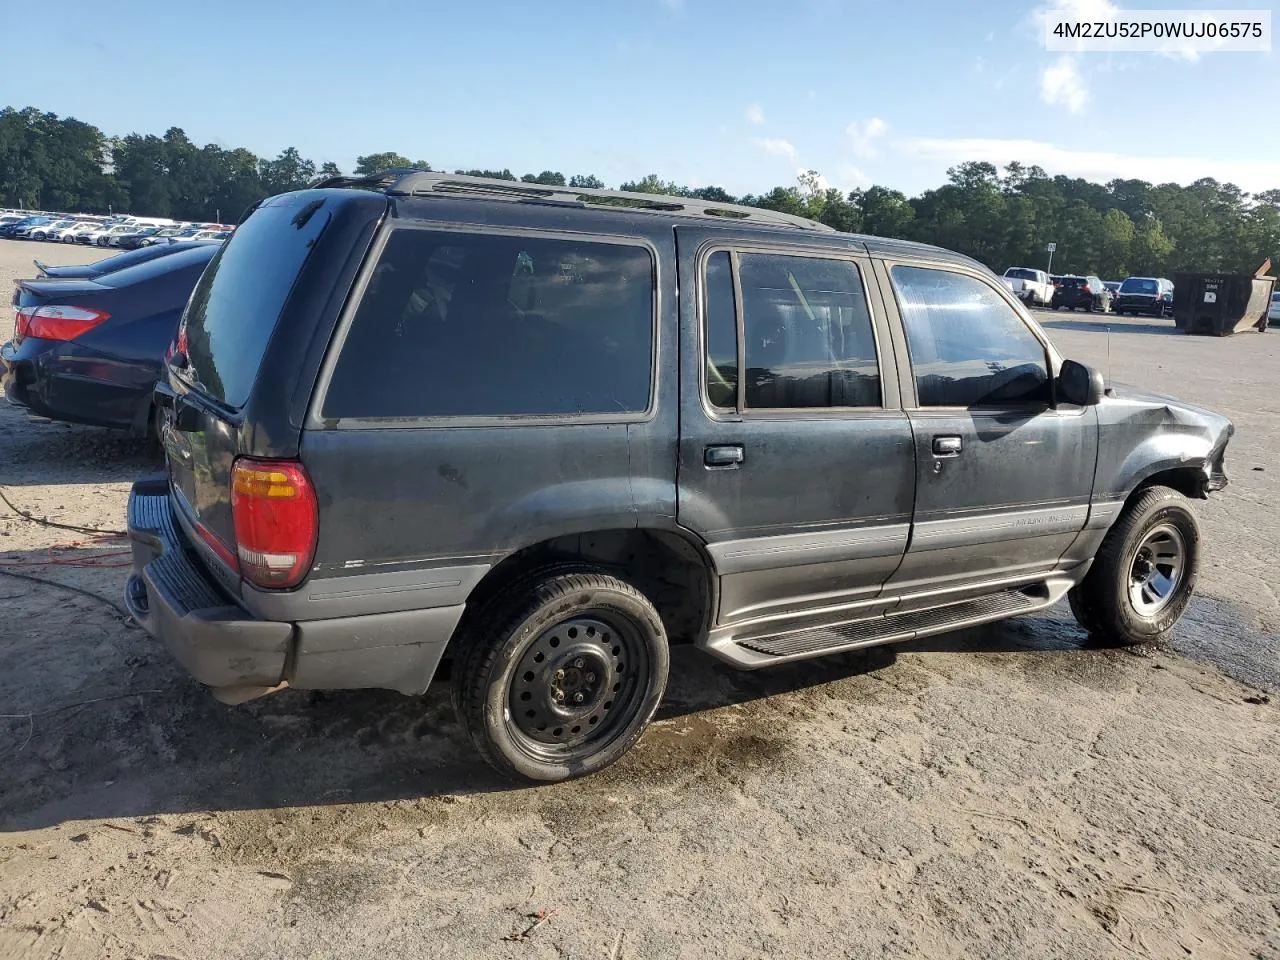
723	455
946	446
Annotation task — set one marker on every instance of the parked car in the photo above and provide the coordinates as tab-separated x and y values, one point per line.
133	239
63	234
91	271
90	350
1031	285
1152	296
83	233
1113	286
106	236
1273	310
163	235
408	419
42	232
23	231
1087	293
10	230
202	235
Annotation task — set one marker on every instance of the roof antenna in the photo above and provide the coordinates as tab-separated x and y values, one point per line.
1107	380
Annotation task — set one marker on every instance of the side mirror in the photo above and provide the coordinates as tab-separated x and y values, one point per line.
1080	384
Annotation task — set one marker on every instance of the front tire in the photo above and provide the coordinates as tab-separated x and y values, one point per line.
559	677
1145	572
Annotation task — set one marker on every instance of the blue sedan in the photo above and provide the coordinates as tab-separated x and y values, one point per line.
91	350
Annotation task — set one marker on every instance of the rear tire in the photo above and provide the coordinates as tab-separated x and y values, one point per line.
1145	572
560	675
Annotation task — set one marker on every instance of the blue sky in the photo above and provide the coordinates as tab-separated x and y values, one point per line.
742	94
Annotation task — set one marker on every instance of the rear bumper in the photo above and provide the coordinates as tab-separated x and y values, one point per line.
176	602
39	375
1138	306
224	646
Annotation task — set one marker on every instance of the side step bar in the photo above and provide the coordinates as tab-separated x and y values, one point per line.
751	650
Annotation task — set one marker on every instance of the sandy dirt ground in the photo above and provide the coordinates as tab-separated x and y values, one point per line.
1002	792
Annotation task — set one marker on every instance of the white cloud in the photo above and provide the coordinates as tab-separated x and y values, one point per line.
1061	85
754	113
865	135
851	176
819	183
1095	165
777	147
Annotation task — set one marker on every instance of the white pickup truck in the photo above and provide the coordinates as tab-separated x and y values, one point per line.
1033	286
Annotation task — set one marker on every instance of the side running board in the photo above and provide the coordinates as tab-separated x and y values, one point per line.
750	649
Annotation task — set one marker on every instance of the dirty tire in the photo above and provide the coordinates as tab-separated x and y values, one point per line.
1103	603
495	667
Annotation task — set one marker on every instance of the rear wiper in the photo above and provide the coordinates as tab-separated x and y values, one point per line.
306	213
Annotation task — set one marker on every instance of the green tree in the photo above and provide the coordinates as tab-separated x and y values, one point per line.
550	178
377	162
289	171
1151	249
653	184
589	181
503	174
885	212
1115	244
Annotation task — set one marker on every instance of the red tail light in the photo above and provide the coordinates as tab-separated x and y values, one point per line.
57	322
276	520
1085	289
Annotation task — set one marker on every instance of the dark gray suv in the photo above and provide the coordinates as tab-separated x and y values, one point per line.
545	433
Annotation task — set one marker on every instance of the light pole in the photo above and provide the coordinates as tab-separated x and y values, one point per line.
1052	247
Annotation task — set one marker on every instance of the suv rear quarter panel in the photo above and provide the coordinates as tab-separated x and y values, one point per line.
414	511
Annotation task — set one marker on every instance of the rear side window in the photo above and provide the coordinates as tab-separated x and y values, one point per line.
235	306
968	346
806	329
478	325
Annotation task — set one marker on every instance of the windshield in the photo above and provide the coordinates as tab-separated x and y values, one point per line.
1020	273
1139	285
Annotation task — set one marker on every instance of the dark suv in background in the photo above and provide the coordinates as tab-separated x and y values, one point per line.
1086	293
547	432
1152	296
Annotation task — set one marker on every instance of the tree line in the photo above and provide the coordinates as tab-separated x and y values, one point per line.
1000	217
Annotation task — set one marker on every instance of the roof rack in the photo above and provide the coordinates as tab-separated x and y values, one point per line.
418	183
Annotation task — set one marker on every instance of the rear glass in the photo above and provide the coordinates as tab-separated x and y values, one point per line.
1016	273
234	307
1139	285
1072	281
458	324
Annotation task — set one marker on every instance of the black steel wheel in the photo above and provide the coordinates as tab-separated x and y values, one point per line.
559	678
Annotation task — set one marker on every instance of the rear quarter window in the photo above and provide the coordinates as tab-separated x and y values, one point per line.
455	324
235	306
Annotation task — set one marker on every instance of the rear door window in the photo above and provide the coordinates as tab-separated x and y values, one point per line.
235	306
458	324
